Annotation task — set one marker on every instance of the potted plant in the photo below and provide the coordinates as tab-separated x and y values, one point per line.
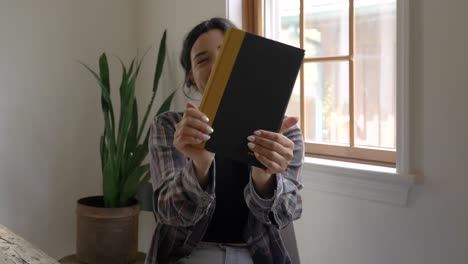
107	226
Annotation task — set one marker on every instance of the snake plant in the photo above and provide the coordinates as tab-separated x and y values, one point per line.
122	148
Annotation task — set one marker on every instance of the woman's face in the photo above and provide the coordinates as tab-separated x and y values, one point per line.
203	55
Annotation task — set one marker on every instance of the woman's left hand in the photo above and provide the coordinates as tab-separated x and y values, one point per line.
273	150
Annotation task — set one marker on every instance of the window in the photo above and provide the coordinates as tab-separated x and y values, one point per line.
345	94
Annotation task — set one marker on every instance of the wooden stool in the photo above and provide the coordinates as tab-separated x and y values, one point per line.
72	259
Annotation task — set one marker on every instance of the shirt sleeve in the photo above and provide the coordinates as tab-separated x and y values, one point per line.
286	203
179	200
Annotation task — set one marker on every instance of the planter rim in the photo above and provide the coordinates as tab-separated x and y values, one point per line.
103	212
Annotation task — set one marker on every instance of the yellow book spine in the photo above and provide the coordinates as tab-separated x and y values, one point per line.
220	74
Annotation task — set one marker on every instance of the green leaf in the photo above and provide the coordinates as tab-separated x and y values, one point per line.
104	74
109	135
124	81
133	181
131	143
109	184
130	70
126	116
157	77
103	151
106	104
132	133
105	99
139	155
166	104
160	62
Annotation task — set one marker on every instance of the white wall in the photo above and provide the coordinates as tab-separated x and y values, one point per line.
50	117
50	120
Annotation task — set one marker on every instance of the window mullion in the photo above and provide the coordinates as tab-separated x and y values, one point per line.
325	59
252	16
351	72
301	41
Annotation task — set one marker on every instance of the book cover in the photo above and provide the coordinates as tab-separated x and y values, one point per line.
249	89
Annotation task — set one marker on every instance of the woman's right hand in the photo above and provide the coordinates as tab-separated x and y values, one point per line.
192	130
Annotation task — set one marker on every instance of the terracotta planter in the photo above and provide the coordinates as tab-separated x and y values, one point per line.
106	235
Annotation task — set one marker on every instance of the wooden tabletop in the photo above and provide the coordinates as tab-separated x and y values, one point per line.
72	259
14	249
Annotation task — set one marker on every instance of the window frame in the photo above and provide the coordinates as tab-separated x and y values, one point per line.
252	21
391	186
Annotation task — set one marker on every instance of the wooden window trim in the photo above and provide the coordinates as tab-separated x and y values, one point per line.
355	154
252	16
252	21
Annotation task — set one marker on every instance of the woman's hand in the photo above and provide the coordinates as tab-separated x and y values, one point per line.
274	151
192	130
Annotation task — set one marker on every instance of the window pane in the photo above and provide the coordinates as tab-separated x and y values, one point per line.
326	27
327	102
375	73
294	106
282	21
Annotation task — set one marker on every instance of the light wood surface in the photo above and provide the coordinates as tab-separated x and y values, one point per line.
16	250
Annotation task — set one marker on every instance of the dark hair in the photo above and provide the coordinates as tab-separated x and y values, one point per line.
205	26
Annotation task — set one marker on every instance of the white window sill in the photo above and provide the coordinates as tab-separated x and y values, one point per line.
374	183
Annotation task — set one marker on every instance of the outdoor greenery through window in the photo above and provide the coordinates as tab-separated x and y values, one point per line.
345	94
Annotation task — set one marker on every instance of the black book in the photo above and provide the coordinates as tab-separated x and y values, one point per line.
249	89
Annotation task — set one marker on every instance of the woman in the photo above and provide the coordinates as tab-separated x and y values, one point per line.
213	210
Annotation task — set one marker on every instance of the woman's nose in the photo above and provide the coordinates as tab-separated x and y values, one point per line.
216	53
215	57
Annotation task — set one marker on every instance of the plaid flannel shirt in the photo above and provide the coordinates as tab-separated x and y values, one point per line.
183	209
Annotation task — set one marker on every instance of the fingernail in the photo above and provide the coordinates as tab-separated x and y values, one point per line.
257	132
197	141
251	145
206	119
206	137
209	130
251	138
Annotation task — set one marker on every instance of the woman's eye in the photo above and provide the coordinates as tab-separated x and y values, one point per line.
202	61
